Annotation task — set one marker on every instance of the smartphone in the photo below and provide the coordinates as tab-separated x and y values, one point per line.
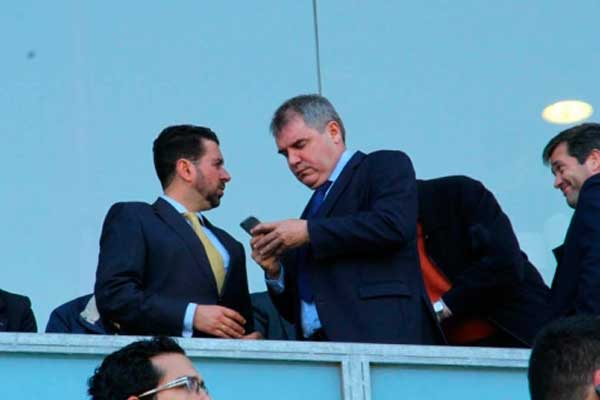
249	223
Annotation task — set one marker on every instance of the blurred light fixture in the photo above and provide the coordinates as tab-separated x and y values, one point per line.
567	111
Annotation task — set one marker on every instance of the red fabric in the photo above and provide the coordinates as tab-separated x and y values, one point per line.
458	330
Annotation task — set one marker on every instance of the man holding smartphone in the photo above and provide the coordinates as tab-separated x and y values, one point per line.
348	269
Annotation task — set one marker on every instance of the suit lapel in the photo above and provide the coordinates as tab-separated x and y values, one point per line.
336	190
558	253
176	222
305	211
340	184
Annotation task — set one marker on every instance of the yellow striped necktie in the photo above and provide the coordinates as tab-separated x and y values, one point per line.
214	257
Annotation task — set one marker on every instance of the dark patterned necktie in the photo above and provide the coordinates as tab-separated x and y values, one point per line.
314	204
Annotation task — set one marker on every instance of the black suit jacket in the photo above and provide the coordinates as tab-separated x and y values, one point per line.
152	265
576	284
267	319
472	242
362	258
15	313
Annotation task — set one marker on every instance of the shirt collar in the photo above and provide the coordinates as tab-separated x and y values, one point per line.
179	207
339	167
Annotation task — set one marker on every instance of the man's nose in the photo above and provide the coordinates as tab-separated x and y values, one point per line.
293	158
225	175
557	181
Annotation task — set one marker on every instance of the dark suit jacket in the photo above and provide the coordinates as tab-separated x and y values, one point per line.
15	313
362	257
267	319
152	265
576	284
67	318
472	242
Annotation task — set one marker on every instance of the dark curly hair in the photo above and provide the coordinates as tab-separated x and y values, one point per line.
129	371
314	109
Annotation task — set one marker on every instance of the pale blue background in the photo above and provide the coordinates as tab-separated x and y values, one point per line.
39	376
391	382
86	86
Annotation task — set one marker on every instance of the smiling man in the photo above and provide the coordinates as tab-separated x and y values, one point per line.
164	268
574	159
347	270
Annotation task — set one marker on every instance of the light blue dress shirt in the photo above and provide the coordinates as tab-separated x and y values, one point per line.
308	310
188	320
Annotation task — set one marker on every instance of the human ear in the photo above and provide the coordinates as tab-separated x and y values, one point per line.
334	130
593	160
183	169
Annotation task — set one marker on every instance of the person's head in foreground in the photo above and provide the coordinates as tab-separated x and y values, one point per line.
153	369
565	360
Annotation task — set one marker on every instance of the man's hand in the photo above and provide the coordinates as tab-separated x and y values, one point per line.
269	264
256	335
272	239
219	321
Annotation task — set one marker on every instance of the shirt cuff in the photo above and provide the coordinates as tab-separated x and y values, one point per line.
188	320
276	285
446	311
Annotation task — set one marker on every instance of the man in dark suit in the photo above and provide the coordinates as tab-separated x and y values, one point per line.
15	313
164	268
483	287
349	269
574	158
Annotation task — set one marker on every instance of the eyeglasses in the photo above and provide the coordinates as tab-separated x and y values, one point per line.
191	383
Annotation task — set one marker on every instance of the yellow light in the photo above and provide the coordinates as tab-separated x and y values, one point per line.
567	112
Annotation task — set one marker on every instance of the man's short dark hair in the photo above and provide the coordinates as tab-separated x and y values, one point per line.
129	371
315	110
564	357
580	140
176	142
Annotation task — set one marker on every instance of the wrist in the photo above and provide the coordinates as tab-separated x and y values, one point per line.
274	273
441	310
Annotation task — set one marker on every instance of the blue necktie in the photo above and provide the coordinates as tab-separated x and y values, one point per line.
314	204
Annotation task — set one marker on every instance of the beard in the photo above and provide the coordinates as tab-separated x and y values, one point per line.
213	199
212	195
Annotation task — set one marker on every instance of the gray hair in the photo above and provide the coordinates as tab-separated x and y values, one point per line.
315	110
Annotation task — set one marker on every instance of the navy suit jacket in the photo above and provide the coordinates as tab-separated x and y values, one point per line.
267	319
471	240
576	285
152	265
67	318
15	313
362	260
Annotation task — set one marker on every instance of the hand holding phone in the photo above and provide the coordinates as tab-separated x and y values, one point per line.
249	223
